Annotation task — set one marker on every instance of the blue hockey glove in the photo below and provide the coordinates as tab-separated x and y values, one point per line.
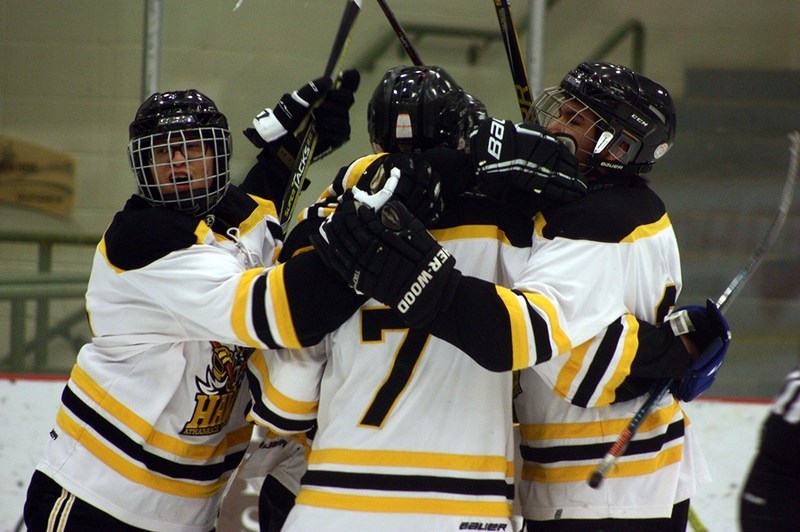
707	328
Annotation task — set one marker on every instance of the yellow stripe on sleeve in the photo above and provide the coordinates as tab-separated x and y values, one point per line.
571	368
280	302
519	328
623	368
559	337
241	307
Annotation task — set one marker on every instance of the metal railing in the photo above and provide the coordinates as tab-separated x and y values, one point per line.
41	289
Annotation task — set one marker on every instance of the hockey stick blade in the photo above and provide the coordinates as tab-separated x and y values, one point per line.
401	34
309	141
735	286
519	74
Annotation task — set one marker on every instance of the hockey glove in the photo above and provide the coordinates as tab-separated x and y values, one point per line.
331	107
524	165
289	115
707	328
390	256
333	114
411	180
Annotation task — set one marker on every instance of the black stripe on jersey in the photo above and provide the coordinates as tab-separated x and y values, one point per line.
280	422
605	215
599	364
550	455
135	451
259	312
541	333
408	483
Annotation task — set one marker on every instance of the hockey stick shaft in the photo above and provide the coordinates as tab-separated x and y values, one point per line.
519	73
309	141
620	445
771	236
401	34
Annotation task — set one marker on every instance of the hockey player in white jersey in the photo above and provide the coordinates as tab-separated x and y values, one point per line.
412	433
183	289
610	253
623	255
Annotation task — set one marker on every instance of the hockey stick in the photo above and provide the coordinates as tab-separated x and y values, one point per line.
735	286
309	142
401	34
514	53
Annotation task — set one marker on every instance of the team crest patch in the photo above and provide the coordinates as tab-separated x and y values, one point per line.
217	390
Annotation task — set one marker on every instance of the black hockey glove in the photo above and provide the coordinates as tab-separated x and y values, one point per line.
524	165
289	115
331	106
390	256
707	328
333	114
409	179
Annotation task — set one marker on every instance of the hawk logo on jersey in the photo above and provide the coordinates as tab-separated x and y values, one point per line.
217	391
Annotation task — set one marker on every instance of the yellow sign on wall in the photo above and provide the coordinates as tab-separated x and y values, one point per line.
36	177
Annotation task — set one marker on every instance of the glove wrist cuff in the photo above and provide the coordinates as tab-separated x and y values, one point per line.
268	126
680	323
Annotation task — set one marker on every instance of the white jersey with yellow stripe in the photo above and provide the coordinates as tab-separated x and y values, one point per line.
568	408
151	424
412	433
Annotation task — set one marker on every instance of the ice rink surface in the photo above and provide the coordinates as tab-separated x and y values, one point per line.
728	431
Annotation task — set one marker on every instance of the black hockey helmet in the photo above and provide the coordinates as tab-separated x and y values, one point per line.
420	107
187	121
636	115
